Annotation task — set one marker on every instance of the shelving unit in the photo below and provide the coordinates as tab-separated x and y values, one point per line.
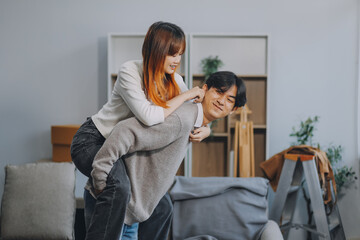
246	56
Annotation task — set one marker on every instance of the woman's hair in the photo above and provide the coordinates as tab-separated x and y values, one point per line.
162	39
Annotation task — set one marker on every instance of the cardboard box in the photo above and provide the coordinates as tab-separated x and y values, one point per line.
61	138
61	153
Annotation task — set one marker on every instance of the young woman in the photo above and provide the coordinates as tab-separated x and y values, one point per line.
150	90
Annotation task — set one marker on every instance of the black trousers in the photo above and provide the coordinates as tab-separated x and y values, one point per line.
109	211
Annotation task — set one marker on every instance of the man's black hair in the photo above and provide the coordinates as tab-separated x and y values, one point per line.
224	80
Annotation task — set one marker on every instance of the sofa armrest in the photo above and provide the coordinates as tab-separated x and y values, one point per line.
271	231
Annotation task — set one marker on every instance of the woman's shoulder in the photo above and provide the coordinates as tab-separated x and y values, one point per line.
180	82
132	65
178	76
130	71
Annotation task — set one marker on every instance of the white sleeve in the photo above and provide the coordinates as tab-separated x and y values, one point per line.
180	82
128	86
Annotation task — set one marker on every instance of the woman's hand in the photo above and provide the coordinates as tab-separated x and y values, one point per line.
199	134
195	93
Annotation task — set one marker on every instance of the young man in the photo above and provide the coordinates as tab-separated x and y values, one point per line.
152	156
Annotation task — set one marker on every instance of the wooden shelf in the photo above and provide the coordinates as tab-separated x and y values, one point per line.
200	76
255	126
259	126
114	76
215	134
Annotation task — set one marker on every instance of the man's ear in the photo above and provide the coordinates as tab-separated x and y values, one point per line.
205	87
234	110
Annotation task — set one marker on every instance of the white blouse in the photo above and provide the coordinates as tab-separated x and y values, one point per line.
128	99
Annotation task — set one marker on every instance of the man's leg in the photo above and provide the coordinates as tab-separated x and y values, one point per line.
109	213
130	232
158	225
90	203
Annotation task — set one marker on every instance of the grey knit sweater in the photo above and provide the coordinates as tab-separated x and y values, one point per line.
152	157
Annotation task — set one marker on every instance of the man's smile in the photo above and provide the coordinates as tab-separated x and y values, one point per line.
218	107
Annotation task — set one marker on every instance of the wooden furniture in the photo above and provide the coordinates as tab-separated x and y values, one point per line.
61	138
244	163
246	56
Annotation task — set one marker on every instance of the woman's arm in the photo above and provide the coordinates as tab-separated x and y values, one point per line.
194	93
201	133
128	86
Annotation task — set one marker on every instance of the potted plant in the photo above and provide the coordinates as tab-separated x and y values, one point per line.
210	65
342	173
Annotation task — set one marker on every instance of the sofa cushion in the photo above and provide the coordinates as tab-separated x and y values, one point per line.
221	207
38	201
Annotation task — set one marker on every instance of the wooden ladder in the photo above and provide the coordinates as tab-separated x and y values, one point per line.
296	169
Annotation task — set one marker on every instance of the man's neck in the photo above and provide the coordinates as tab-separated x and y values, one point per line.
206	121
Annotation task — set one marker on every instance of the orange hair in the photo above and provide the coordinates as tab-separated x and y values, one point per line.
162	39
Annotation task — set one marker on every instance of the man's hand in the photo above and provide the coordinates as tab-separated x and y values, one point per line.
97	192
199	134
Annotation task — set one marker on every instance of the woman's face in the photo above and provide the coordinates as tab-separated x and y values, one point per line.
171	62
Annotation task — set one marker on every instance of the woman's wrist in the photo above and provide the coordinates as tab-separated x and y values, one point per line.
186	96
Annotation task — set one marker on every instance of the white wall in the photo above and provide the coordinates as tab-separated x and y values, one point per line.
53	67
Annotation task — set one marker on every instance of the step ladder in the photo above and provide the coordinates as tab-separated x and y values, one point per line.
297	168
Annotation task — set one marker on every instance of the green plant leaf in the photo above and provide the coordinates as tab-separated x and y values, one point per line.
304	133
210	65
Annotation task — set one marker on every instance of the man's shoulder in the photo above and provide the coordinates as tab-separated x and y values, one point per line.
188	107
187	114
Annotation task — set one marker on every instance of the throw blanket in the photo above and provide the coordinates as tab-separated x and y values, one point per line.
273	166
219	208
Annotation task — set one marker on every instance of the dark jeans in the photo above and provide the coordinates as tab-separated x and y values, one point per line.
109	212
128	232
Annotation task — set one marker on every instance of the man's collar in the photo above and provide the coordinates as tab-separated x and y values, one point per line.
200	116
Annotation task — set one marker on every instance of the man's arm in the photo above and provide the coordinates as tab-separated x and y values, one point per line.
130	136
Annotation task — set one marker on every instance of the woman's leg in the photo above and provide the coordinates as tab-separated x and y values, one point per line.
109	213
101	224
158	225
86	143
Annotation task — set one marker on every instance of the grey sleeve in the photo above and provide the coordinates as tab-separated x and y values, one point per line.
130	136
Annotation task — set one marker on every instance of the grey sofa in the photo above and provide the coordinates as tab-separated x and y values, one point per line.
39	203
221	208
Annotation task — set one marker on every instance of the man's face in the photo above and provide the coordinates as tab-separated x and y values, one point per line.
218	104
